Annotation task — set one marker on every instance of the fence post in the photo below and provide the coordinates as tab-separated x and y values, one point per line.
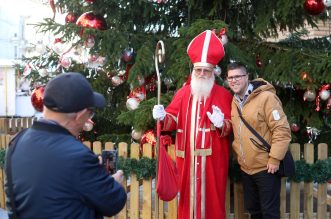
97	147
322	187
2	174
283	198
123	152
295	187
239	210
308	186
134	185
147	187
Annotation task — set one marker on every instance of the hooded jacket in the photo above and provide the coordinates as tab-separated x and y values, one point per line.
263	111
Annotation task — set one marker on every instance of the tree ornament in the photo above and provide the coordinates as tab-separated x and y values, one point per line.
40	47
136	135
43	72
223	36
58	46
295	127
116	80
27	70
258	61
89	1
151	83
148	137
141	80
132	103
95	61
139	93
65	62
327	3
309	95
168	82
314	7
324	94
89	42
305	76
312	133
128	55
217	70
37	98
90	20
70	18
88	125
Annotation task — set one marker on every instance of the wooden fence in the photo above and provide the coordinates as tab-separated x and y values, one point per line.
298	200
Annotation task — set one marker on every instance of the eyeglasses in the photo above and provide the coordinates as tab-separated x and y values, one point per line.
235	78
91	113
202	70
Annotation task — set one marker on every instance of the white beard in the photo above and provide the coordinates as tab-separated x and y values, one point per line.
201	87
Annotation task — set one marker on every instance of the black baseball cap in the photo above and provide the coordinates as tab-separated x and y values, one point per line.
71	92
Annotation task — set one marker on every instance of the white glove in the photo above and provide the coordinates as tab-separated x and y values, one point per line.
159	112
217	117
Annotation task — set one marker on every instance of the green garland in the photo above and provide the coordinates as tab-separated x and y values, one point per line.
145	168
2	157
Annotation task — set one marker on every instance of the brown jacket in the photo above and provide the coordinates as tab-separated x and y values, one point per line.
263	111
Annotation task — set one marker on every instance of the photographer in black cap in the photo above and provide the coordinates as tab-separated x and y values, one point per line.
50	173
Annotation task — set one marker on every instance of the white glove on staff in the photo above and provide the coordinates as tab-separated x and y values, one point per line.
217	117
159	112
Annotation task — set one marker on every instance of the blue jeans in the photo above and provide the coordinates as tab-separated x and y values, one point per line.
262	195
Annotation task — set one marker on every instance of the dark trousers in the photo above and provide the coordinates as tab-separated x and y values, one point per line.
262	195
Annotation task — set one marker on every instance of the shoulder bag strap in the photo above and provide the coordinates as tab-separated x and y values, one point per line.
264	142
8	170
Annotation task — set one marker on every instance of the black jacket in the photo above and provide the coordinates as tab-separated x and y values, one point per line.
56	176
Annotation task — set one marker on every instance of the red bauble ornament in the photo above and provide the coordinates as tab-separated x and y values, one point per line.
37	98
89	1
314	7
70	18
90	20
295	127
148	137
128	55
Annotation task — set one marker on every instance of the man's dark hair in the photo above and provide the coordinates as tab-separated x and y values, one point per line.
236	65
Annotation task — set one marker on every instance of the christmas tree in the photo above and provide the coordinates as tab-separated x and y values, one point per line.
113	44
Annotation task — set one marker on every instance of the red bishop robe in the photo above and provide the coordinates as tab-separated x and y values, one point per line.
202	152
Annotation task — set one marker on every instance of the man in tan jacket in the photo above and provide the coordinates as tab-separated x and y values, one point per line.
262	109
